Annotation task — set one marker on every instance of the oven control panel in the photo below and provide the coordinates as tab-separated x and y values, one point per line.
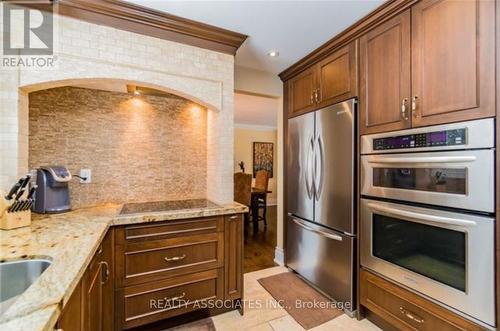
428	139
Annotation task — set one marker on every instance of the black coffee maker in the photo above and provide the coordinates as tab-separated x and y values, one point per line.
52	194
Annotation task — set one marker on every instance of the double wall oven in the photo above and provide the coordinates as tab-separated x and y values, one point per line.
427	213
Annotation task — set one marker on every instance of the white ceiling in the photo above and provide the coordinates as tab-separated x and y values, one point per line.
294	28
251	110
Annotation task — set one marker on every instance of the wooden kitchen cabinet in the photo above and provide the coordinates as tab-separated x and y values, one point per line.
91	305
173	262
150	252
149	302
331	80
93	297
337	76
438	70
97	288
385	76
71	315
405	310
301	92
233	234
453	61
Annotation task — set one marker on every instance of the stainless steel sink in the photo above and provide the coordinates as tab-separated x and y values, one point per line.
17	276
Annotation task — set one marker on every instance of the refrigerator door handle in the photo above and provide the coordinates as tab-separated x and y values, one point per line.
319	163
309	159
322	233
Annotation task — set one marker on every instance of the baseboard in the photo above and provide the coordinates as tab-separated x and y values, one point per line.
279	256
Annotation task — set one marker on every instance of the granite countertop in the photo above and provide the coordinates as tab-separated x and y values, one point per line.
70	240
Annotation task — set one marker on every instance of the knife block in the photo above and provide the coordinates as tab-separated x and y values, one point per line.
9	221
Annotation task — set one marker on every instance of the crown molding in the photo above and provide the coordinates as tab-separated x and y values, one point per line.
146	21
255	127
380	14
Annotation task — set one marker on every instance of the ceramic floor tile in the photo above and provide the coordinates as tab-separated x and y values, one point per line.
285	323
261	327
260	306
346	323
265	273
250	321
263	314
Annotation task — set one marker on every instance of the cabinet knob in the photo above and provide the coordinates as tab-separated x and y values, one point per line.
403	109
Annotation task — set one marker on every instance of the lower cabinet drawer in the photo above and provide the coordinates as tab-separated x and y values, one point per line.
142	304
406	310
150	261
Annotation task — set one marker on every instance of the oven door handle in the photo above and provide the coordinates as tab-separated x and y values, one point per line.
420	216
422	159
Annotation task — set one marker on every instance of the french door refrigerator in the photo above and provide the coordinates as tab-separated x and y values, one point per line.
321	184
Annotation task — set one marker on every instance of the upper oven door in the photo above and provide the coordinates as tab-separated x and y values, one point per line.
463	179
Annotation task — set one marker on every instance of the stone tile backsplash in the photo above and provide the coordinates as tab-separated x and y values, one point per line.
138	148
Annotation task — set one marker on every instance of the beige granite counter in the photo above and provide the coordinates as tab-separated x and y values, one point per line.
70	240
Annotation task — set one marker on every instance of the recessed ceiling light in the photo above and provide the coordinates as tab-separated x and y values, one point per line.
273	53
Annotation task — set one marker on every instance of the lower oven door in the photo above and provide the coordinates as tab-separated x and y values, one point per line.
459	179
446	256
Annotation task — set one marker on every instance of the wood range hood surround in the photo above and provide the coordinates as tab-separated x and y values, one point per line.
139	19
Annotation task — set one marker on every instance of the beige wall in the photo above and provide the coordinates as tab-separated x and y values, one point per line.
243	151
256	81
259	82
139	148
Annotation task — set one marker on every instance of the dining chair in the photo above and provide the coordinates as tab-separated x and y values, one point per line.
259	200
243	190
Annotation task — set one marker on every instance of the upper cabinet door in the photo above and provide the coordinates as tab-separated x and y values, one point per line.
301	92
337	77
385	76
452	61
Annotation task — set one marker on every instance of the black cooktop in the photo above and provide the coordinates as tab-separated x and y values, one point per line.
159	206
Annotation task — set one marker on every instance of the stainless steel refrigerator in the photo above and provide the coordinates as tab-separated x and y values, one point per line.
321	229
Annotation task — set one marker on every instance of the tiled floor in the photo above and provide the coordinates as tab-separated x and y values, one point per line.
275	318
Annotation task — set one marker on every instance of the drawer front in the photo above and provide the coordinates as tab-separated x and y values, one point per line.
149	261
406	310
142	304
169	229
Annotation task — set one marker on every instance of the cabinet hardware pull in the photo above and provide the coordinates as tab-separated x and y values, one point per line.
312	96
177	297
175	258
317	95
411	316
403	109
414	106
233	218
106	272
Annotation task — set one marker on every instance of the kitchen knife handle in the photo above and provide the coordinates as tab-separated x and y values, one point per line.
14	188
22	189
32	191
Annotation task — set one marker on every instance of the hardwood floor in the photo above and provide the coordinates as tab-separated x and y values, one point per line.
259	246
